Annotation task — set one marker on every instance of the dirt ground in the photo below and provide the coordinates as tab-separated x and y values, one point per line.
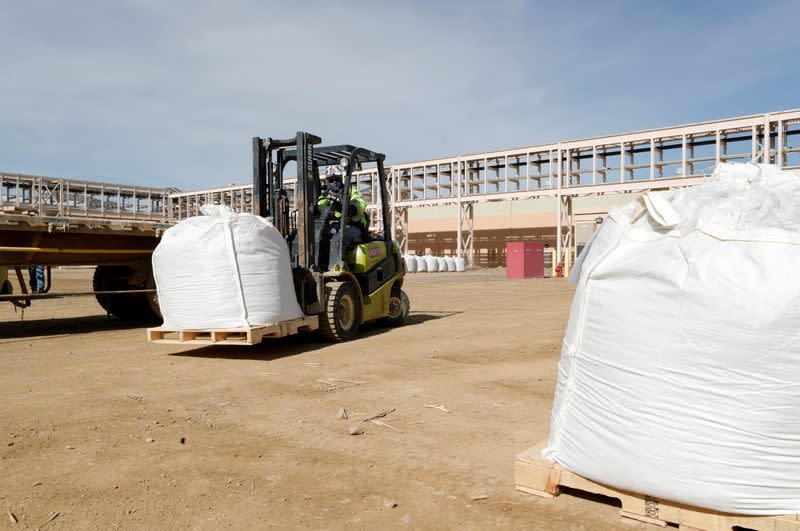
110	431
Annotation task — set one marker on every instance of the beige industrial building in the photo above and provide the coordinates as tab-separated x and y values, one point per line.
430	230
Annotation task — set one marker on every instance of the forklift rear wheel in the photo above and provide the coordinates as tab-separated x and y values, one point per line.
399	306
342	315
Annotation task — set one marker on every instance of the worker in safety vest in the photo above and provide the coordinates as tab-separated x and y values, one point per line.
357	223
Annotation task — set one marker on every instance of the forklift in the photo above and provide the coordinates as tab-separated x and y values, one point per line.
344	286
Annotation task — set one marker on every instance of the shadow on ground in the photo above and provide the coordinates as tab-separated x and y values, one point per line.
63	325
414	318
273	349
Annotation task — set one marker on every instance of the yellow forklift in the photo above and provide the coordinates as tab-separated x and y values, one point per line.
345	283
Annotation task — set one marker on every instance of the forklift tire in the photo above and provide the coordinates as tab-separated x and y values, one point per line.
142	307
7	289
399	306
342	316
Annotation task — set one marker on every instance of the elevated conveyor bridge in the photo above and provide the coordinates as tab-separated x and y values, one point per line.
654	159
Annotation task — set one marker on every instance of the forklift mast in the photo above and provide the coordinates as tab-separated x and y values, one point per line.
270	198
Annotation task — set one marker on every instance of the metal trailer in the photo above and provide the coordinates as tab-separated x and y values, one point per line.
49	222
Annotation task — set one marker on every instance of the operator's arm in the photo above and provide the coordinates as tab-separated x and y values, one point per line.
329	201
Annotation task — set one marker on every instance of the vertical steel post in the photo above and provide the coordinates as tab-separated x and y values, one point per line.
683	155
259	176
558	203
528	171
766	158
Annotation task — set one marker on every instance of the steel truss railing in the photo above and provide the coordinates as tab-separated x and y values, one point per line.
76	199
640	161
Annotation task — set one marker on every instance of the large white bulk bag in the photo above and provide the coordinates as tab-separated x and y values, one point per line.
422	264
224	270
460	266
451	263
411	263
441	264
433	263
680	370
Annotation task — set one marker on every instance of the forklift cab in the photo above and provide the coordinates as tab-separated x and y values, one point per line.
372	267
305	217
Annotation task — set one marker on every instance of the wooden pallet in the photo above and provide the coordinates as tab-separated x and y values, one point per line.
232	336
538	476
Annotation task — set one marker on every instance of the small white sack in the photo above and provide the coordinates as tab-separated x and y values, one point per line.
433	263
411	263
680	370
224	270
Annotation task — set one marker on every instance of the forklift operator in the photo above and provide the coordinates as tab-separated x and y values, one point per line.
357	224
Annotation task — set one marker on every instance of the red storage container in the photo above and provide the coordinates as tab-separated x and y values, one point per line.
524	260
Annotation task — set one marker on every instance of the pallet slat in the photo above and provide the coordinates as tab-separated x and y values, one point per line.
232	336
540	477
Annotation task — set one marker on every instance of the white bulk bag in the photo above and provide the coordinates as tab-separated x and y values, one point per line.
433	263
441	264
411	263
460	266
451	263
680	370
224	270
422	264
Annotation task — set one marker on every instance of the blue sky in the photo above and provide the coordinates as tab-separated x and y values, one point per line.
169	93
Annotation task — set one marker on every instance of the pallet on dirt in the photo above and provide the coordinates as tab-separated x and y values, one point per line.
232	336
538	476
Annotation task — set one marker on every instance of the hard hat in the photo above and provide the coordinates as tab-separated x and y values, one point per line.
332	172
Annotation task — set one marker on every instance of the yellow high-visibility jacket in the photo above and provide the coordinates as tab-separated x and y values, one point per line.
359	218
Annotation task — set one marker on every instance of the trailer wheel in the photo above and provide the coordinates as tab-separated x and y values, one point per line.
342	316
399	307
141	307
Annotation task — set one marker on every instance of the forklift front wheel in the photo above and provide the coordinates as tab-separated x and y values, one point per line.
399	306
342	315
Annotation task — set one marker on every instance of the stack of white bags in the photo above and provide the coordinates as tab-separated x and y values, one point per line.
432	264
224	270
680	370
